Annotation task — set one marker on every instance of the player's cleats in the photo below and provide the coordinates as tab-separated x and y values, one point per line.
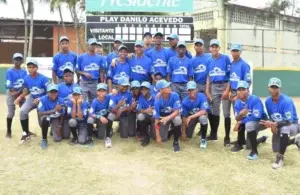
297	142
263	139
176	146
89	143
203	144
31	134
278	162
236	148
8	135
145	141
44	144
252	156
226	142
108	142
212	138
74	141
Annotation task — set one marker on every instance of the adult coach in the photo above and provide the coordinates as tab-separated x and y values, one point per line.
217	91
63	59
173	42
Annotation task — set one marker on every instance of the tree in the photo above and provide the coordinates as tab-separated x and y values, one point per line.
56	4
30	11
25	29
279	6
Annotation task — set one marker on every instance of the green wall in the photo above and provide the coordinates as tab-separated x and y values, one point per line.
290	81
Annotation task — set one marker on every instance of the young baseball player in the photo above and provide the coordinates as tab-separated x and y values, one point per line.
217	91
284	120
121	69
173	49
50	110
100	114
89	67
159	55
99	51
180	71
166	111
65	89
114	54
145	110
132	124
77	109
63	59
249	110
157	77
194	108
14	85
35	85
140	64
148	42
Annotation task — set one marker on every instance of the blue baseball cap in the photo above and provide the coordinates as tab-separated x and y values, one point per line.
139	43
68	69
242	84
122	47
274	82
147	34
77	90
162	84
118	40
135	84
146	84
199	41
52	87
63	38
158	34
237	47
32	61
123	81
18	55
214	42
101	86
191	85
181	43
92	41
173	36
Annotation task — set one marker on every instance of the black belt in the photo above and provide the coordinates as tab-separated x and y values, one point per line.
219	82
180	83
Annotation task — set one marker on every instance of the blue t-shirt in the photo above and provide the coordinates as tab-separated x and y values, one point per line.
200	65
15	78
180	69
101	108
173	52
146	50
154	91
283	110
65	91
144	103
118	97
46	104
219	69
84	109
62	61
91	64
254	106
239	71
160	60
165	107
37	86
118	71
110	57
140	68
190	107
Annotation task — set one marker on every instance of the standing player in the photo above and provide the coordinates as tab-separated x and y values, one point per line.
14	85
180	71
120	70
217	91
114	54
148	42
249	110
194	108
132	128
90	67
167	110
65	89
35	85
63	59
284	120
159	55
157	77
140	64
173	42
50	111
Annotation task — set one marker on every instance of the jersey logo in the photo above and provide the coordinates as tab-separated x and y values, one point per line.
18	83
66	65
200	68
255	113
194	111
248	76
36	91
205	104
138	69
180	70
159	63
288	115
102	112
120	75
276	117
234	77
91	67
166	110
217	72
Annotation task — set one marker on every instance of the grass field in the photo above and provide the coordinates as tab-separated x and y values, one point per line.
127	168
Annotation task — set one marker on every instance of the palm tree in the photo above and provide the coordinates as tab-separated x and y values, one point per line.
56	4
30	11
25	29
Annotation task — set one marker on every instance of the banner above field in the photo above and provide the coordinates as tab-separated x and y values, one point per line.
139	5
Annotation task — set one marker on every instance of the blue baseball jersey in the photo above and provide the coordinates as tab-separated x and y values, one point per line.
62	61
219	69
37	86
147	50
118	71
180	69
84	109
190	107
110	57
144	103
91	64
154	91
15	78
239	71
254	106
160	60
65	90
127	96
200	65
46	104
165	107
101	108
283	110
140	68
173	52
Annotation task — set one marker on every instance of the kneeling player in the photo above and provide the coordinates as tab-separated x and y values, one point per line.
50	112
194	108
78	111
145	112
249	110
167	110
99	114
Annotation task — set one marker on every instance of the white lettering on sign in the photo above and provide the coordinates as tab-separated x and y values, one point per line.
165	20
106	37
101	30
150	3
